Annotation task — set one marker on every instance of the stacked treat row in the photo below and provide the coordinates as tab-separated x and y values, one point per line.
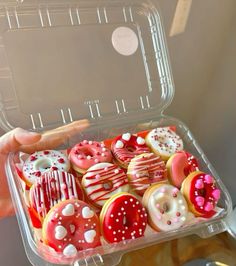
114	189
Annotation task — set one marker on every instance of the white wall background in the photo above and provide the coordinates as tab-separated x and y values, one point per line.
204	63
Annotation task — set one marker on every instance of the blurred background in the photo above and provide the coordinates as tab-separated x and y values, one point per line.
203	62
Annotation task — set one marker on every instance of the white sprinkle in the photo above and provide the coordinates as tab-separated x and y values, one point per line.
131	199
112	215
114	233
122	208
109	227
117	220
126	202
119	213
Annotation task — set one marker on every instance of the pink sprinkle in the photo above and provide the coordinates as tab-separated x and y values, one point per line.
199	184
216	194
200	201
96	160
209	179
158	205
175	190
103	155
175	220
85	141
89	157
97	176
102	145
158	217
80	156
208	206
90	142
163	190
116	171
106	169
63	186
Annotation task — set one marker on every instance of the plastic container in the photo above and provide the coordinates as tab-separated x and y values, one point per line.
107	61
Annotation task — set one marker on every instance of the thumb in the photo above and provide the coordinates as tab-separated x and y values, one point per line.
12	140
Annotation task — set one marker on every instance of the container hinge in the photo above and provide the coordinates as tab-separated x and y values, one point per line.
213	229
95	260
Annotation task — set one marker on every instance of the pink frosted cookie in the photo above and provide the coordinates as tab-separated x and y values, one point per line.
102	181
166	206
52	188
125	147
88	153
201	194
42	161
123	217
179	166
164	142
71	226
145	170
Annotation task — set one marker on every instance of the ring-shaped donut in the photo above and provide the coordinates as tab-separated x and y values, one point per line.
125	147
71	226
50	189
102	181
123	217
42	161
166	206
164	141
201	193
144	170
179	166
88	153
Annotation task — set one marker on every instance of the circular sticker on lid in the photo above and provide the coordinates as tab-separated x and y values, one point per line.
124	41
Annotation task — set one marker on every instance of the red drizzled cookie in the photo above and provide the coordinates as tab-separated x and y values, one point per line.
125	147
102	181
123	217
52	188
145	170
71	226
201	193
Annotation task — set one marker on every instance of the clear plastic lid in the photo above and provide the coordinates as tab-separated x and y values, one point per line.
61	61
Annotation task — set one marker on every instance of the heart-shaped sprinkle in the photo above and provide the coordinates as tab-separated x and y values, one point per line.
199	184
119	144
208	206
140	141
89	236
72	228
216	194
208	179
70	250
87	213
126	136
69	210
60	232
200	201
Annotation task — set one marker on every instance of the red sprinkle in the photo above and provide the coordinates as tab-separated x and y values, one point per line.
38	173
54	168
61	160
178	214
46	152
33	158
169	222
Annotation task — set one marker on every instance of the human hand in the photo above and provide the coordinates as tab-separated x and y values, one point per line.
21	140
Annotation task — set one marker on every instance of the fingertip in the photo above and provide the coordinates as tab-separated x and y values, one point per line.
25	137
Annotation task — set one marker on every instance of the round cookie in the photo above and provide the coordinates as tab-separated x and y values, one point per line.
71	226
88	153
52	188
123	217
164	142
42	161
145	170
201	194
179	166
166	206
102	181
125	147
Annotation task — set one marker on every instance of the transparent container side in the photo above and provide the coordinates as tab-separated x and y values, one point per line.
110	254
81	59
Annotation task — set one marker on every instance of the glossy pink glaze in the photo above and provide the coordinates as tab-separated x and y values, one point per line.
182	165
88	153
80	225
